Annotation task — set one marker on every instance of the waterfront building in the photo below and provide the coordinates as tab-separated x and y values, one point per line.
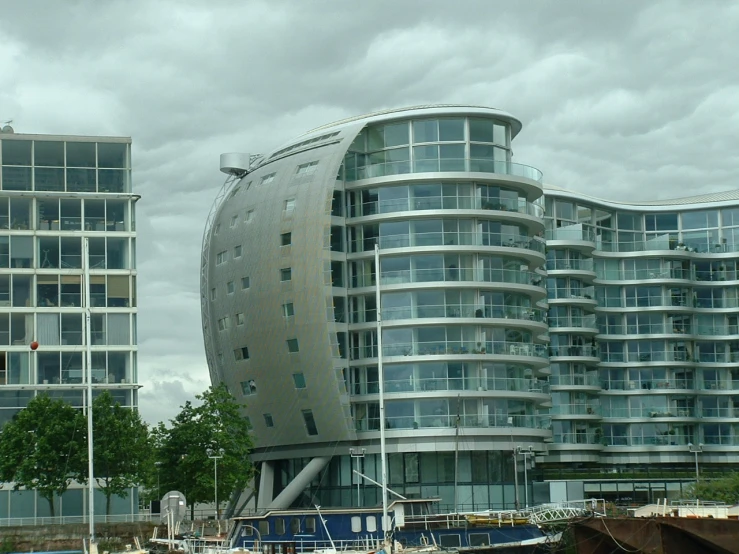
55	190
501	330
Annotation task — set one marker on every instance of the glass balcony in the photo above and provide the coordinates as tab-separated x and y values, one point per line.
584	293
582	265
519	205
571	351
675	384
582	322
567	233
588	380
477	165
452	239
584	437
438	348
465	310
455	274
450	421
413	384
575	409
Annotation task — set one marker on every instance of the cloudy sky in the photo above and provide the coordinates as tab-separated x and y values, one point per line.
620	99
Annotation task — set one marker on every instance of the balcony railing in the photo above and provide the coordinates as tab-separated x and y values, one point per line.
464	310
585	437
582	265
519	205
585	350
437	348
582	322
477	165
450	238
453	274
676	384
589	380
450	421
566	233
575	409
413	384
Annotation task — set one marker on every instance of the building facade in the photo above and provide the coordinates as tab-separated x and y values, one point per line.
501	325
55	191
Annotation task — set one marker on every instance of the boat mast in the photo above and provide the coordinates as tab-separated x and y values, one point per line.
88	371
381	379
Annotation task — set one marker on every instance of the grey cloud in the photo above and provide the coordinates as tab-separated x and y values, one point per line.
626	99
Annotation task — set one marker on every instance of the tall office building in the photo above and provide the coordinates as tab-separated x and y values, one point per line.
513	318
55	190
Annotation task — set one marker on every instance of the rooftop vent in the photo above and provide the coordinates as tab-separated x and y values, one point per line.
235	163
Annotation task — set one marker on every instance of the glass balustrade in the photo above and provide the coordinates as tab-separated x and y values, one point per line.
575	409
450	421
578	437
413	384
461	347
456	238
567	233
477	165
574	381
450	203
455	274
581	265
464	310
583	322
575	350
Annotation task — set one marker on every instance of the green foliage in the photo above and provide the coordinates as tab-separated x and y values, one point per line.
182	449
724	489
121	448
43	448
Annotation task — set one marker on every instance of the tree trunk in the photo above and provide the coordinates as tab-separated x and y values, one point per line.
107	502
50	500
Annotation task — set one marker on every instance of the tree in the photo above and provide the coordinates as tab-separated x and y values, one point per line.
122	452
43	448
182	449
725	489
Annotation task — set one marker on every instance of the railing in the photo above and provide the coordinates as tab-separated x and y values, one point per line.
413	384
719	412
66	520
487	311
582	265
653	356
575	409
463	347
589	437
565	233
450	238
519	205
582	322
648	411
453	274
667	243
447	420
585	350
588	380
675	384
478	165
585	293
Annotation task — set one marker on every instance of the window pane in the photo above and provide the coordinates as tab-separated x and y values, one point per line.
451	129
16	152
481	130
425	131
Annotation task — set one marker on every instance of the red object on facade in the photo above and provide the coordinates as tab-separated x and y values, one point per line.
34	345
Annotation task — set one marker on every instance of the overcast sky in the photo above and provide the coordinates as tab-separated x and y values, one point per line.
620	99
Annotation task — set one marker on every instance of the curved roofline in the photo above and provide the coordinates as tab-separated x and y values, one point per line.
687	202
424	110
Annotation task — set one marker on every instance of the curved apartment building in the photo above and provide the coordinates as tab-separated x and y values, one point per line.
598	334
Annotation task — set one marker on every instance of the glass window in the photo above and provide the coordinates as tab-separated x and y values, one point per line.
81	154
269	422
481	130
288	309
310	422
111	154
700	220
245	283
16	152
660	222
49	153
292	345
451	129
396	134
286	274
425	130
285	239
299	380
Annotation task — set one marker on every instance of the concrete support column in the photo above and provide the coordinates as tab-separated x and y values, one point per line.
298	484
266	485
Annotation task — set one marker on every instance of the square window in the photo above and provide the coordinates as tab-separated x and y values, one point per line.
299	379
249	216
285	239
223	324
249	388
245	283
212	294
241	353
221	257
289	204
307	169
268	178
286	274
237	251
288	309
268	421
310	422
239	319
292	345
230	287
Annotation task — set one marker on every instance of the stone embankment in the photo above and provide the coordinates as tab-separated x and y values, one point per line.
110	536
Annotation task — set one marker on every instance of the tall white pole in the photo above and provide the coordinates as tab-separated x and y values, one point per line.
381	379
215	477
88	368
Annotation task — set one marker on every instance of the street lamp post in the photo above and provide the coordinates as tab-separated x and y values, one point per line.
215	455
696	449
525	452
357	454
159	489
